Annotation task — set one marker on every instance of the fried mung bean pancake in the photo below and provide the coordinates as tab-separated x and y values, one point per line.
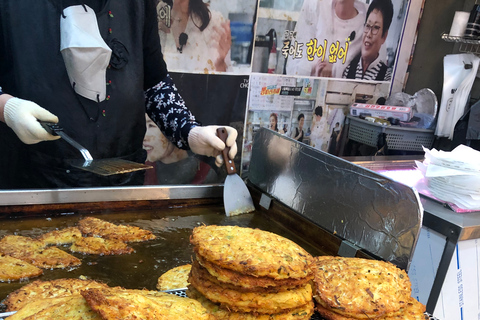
19	246
52	258
62	236
36	306
174	278
251	251
100	246
74	308
13	269
361	287
261	302
47	289
143	292
95	227
193	309
202	272
249	282
300	313
34	252
116	304
413	310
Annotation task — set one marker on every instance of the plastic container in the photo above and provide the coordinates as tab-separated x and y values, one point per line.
397	138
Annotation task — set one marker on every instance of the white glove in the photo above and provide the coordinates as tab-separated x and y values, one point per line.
21	115
204	141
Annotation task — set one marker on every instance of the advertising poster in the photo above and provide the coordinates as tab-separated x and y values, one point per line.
206	36
276	102
309	110
356	39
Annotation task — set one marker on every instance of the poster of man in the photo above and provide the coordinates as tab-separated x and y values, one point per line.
324	38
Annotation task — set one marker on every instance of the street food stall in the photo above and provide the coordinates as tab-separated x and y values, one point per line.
279	65
325	204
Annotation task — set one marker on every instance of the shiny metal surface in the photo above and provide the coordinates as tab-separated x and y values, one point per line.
369	210
236	196
78	195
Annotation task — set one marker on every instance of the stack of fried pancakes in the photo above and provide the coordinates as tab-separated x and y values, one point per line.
248	273
353	288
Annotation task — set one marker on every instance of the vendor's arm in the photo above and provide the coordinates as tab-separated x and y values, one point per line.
165	106
167	109
22	116
3	100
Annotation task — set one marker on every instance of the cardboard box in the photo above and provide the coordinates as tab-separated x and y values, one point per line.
459	298
383	112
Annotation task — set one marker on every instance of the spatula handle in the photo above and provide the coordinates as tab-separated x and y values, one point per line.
56	130
229	164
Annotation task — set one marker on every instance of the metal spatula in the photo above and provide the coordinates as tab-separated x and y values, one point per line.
103	167
236	197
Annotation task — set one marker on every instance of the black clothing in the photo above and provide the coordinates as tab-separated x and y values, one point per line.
378	72
32	68
332	147
297	133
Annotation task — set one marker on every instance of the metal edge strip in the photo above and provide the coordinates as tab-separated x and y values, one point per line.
58	196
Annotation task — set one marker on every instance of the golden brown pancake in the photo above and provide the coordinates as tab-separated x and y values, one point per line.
300	313
360	287
95	227
413	310
250	282
62	236
107	247
202	272
112	304
240	301
251	252
19	246
47	289
33	251
13	269
52	258
174	278
35	306
74	308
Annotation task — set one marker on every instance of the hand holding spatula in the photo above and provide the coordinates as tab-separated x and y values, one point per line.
236	197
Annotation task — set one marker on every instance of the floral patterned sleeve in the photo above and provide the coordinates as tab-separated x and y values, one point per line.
167	109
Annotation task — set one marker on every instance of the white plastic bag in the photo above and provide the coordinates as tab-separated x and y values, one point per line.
460	71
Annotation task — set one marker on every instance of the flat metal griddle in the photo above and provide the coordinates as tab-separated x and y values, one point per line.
142	268
172	248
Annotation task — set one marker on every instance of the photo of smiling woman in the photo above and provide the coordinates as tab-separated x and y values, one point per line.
368	64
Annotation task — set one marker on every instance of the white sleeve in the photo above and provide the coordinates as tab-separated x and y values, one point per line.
305	29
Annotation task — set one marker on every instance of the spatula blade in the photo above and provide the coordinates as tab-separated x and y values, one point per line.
236	196
108	167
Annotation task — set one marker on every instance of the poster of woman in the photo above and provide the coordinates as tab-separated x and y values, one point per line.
320	38
206	36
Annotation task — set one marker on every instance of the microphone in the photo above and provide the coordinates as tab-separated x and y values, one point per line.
351	37
182	40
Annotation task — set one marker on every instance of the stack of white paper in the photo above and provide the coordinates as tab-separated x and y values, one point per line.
453	176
